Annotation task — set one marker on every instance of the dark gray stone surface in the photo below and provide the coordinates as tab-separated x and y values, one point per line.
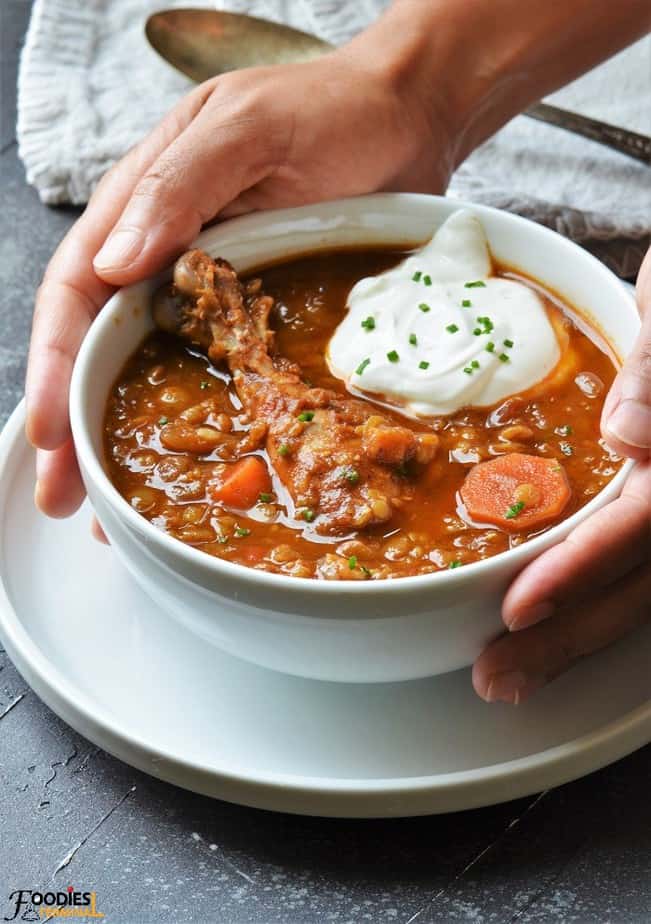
71	814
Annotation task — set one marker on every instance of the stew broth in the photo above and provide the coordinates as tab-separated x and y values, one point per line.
165	380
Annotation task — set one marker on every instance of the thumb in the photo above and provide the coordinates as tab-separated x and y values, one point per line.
626	419
220	154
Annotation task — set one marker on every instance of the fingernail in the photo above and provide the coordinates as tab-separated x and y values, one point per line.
512	687
120	249
631	423
531	615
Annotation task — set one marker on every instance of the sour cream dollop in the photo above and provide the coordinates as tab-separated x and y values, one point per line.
438	332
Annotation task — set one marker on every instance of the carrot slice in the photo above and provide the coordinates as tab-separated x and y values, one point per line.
516	491
242	483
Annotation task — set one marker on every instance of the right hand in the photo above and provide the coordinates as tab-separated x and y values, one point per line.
254	139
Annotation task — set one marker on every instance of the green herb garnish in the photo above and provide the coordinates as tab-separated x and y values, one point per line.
514	510
351	475
308	515
427	280
162	421
265	498
242	531
477	331
369	323
424	307
413	339
477	284
468	370
508	344
423	364
454	564
475	364
393	357
283	449
486	323
416	276
352	562
364	363
490	347
306	416
466	303
452	328
504	358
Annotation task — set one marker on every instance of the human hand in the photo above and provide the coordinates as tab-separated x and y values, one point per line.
594	587
255	139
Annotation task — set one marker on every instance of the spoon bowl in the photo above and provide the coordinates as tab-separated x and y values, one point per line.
205	43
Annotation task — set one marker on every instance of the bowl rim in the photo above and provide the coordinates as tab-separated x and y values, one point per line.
179	550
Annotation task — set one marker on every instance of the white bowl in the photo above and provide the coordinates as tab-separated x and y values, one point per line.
354	632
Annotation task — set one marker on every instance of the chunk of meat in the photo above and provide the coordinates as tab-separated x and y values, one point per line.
337	459
516	492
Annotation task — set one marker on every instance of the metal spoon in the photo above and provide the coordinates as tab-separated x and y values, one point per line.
204	43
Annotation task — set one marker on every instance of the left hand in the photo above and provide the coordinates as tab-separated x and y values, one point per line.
594	587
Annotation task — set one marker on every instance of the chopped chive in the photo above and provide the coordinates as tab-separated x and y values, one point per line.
423	364
416	276
351	475
514	510
455	564
366	571
413	339
393	357
468	370
265	498
222	540
466	303
477	284
427	280
162	421
477	331
308	514
242	531
475	364
369	323
362	366
424	307
204	384
283	449
508	344
452	328
566	449
352	562
504	358
306	416
490	346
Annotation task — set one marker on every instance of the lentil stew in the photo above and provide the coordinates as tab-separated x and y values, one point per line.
347	488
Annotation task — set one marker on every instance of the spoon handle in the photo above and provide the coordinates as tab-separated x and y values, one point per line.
627	142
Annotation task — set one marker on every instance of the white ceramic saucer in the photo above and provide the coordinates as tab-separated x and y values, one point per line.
130	679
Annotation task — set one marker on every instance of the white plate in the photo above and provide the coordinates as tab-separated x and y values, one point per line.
134	682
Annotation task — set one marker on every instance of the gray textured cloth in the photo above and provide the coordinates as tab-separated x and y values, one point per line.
90	87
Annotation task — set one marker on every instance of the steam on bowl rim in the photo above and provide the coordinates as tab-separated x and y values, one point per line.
93	466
